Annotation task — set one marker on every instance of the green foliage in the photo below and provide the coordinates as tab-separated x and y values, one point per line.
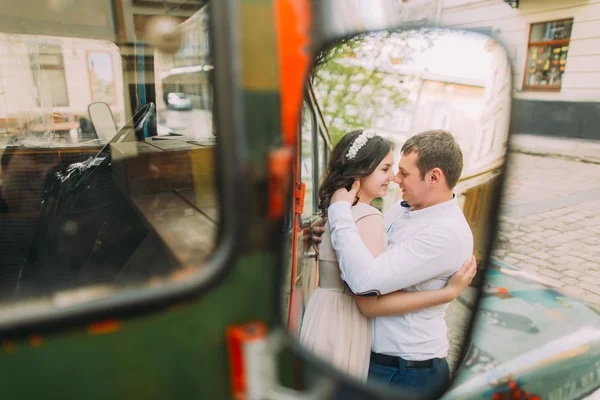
352	97
355	79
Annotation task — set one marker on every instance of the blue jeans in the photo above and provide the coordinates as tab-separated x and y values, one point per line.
426	383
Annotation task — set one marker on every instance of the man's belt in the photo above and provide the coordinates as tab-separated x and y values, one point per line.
391	361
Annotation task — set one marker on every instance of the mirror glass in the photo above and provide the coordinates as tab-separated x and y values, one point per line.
421	118
106	146
102	119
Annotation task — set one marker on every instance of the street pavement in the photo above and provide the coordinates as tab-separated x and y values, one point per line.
458	316
549	222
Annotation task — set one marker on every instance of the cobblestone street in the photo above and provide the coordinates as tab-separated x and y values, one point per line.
550	225
550	222
458	316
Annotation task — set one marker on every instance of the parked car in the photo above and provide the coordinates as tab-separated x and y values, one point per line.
178	101
530	341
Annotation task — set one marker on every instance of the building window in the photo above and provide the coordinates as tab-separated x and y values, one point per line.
547	54
101	75
48	70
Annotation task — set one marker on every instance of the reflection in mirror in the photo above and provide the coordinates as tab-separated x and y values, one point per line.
102	120
106	175
420	118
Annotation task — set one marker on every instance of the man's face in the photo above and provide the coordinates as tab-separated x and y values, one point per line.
414	189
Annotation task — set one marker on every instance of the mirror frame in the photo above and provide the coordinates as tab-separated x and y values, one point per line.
228	161
89	109
326	35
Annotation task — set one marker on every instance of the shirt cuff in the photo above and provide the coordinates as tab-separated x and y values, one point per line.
338	211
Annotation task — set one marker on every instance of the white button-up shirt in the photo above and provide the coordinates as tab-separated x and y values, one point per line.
425	247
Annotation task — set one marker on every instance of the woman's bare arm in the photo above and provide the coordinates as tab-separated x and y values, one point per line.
398	303
372	233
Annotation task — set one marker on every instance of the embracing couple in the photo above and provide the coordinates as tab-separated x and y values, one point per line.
385	281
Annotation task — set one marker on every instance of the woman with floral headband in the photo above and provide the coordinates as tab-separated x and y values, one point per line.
334	326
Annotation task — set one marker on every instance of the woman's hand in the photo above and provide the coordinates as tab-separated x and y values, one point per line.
462	278
343	194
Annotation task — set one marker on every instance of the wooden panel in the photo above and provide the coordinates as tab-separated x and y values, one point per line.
120	153
144	168
210	211
125	150
189	235
169	144
155	172
203	176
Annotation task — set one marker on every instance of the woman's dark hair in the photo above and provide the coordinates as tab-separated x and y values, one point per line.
342	172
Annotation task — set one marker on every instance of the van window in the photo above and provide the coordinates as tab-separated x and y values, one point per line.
323	153
307	174
106	172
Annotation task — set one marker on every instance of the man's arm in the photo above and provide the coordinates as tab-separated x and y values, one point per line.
404	302
428	254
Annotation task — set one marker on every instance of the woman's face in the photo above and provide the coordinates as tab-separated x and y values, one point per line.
376	184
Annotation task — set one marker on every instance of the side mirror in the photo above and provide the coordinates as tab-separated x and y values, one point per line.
103	120
372	100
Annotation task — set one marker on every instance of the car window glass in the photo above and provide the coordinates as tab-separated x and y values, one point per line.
106	173
306	161
322	148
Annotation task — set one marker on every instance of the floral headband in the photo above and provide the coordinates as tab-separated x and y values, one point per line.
359	142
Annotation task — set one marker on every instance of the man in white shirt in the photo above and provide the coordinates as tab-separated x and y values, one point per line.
428	241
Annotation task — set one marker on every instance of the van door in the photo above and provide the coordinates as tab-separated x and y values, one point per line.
306	255
311	158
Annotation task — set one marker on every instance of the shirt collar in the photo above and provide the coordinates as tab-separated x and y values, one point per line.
437	209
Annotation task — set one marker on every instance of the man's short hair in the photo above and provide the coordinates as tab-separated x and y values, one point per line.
436	148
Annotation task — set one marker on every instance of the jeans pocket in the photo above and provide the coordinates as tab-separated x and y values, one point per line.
420	378
381	374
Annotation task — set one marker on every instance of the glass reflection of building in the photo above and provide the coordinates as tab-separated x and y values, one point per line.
186	71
